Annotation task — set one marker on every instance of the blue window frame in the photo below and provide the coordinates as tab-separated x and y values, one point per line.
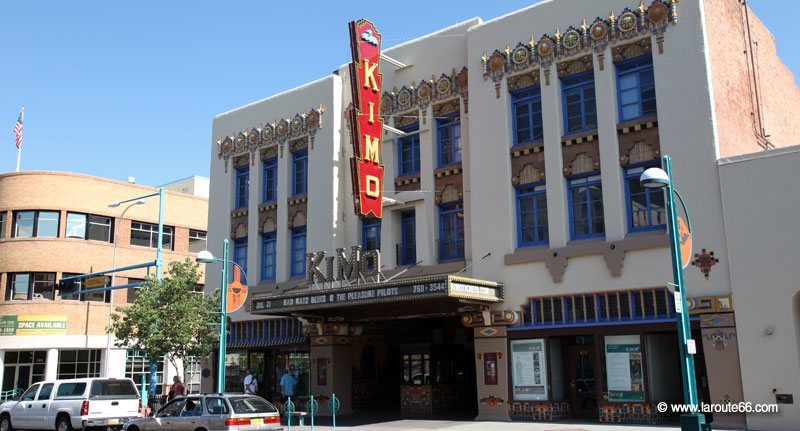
242	186
408	151
268	256
270	181
451	232
586	206
645	207
527	118
299	172
532	214
298	251
636	88
580	111
448	132
370	233
407	255
240	255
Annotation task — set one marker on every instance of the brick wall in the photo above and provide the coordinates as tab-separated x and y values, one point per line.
729	74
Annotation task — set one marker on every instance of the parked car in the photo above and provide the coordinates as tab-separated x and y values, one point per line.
66	405
211	412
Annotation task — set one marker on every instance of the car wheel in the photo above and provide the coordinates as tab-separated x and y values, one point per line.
133	428
5	424
63	424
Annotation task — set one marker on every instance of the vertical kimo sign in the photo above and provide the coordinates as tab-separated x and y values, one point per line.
367	133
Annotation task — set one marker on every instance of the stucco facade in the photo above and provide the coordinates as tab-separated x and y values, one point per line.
57	224
476	72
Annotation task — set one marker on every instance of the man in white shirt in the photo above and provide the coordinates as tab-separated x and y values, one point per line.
250	383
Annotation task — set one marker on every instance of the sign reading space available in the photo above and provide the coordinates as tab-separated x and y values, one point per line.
33	325
367	133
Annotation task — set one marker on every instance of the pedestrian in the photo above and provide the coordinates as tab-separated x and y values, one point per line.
288	382
250	383
177	387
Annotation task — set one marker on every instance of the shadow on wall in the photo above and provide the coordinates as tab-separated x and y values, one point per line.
796	306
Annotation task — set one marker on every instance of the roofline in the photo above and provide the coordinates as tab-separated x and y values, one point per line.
759	155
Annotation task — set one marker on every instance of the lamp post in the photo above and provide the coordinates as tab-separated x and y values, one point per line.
205	256
159	265
114	276
658	178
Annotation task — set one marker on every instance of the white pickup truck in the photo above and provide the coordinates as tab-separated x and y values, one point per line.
66	405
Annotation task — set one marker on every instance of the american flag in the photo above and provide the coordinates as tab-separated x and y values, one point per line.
18	128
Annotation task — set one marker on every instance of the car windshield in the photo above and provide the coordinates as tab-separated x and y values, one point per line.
251	405
113	389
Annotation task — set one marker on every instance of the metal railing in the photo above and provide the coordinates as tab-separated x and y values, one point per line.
7	395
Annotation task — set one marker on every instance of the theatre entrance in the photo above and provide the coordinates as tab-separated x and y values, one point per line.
415	368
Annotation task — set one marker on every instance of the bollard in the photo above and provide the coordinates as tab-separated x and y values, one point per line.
288	409
333	406
313	407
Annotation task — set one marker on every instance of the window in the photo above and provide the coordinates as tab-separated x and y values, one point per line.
408	151
240	255
45	393
531	214
77	364
137	365
580	112
270	186
2	224
371	233
23	368
417	369
586	207
268	256
197	240
216	406
27	286
299	172
298	251
527	116
242	186
92	296
408	237
191	374
146	235
88	226
70	389
451	232
645	206
43	224
30	394
133	292
636	88
449	138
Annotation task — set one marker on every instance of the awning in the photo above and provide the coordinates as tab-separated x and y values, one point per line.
434	295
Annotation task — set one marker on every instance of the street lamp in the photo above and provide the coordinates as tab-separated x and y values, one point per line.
114	274
657	178
205	256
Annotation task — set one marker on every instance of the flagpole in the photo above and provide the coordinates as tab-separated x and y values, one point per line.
18	132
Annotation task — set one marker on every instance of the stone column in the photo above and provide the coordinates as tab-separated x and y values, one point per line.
557	211
491	361
253	237
721	352
51	366
605	84
282	235
332	364
2	364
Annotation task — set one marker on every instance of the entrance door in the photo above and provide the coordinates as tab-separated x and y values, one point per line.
580	376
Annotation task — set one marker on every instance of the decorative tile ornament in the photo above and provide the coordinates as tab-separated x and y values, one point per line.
492	401
271	134
428	91
597	36
705	260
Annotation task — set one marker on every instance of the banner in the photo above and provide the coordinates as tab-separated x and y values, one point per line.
33	325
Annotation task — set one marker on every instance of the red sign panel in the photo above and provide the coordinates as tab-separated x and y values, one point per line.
367	133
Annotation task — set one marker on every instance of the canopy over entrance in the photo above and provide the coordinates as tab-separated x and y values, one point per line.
412	297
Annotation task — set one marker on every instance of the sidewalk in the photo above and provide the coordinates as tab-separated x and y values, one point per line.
426	425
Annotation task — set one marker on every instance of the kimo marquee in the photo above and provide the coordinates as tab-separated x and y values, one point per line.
365	81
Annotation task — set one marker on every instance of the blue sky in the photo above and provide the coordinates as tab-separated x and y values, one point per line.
119	89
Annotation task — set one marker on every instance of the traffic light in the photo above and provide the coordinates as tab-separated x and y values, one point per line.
68	287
